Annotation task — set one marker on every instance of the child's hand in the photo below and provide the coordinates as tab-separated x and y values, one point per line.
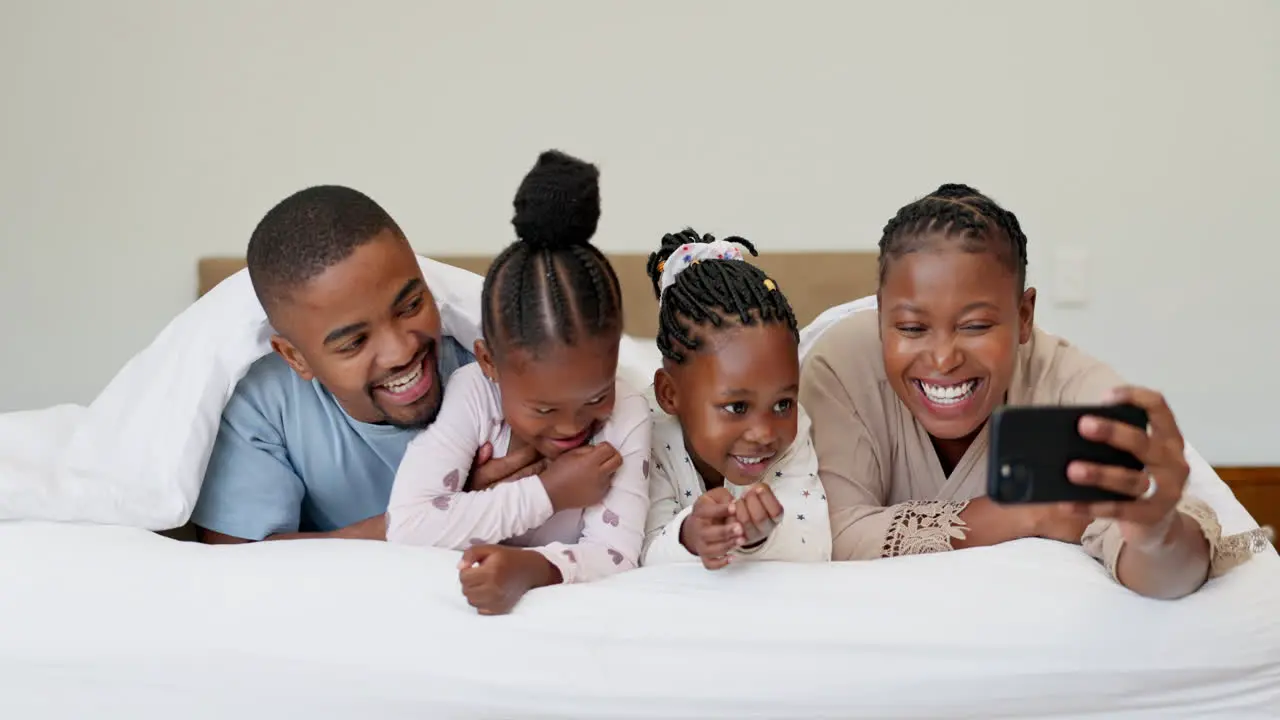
581	477
519	463
501	576
758	512
711	530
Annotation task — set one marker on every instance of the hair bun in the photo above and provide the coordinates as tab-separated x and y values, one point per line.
954	190
558	203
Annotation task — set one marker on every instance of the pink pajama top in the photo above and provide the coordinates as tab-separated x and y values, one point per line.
429	507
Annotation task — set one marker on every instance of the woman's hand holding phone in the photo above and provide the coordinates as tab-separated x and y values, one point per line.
1157	488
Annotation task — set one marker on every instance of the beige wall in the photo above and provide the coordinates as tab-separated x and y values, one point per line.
139	135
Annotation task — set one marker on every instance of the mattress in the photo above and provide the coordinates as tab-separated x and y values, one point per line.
100	621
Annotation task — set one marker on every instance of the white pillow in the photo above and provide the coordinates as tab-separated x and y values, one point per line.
638	359
138	455
810	333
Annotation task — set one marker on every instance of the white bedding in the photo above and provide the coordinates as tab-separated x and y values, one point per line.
120	623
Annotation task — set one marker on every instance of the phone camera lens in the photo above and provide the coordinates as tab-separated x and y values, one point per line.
1015	483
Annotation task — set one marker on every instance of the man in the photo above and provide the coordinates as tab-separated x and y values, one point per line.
311	438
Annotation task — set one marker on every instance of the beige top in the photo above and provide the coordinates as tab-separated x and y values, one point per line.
885	486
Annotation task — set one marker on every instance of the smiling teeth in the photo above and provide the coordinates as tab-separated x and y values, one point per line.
948	394
751	460
405	380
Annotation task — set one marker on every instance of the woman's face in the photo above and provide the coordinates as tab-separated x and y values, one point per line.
950	323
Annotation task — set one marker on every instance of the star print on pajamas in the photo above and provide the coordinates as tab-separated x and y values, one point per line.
674	487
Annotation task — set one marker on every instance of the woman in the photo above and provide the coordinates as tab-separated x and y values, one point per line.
900	400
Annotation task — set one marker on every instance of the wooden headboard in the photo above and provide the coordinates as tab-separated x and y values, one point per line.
813	281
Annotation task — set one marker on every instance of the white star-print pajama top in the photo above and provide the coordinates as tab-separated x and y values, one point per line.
804	535
428	506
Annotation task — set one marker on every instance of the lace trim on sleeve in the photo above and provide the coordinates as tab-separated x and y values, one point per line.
1225	552
921	527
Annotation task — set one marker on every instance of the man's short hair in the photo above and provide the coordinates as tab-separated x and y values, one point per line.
308	233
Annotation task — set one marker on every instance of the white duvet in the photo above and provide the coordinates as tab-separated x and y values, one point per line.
103	621
121	623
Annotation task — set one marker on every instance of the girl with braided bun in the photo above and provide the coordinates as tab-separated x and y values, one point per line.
734	473
544	378
900	400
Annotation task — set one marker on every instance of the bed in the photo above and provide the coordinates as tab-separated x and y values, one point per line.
98	619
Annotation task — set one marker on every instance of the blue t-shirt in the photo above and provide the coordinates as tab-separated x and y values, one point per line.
288	458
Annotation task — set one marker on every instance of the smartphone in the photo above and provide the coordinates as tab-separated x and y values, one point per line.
1032	446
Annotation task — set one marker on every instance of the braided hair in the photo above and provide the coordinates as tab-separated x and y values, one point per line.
960	212
552	284
711	294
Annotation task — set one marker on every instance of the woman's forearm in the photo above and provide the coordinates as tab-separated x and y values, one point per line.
1172	567
989	523
1169	568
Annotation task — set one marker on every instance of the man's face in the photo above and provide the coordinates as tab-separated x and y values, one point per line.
369	331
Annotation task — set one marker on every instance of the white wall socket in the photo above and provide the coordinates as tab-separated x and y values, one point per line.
1072	281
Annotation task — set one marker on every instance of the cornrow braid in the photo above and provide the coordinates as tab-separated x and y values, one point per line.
711	294
962	212
552	285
